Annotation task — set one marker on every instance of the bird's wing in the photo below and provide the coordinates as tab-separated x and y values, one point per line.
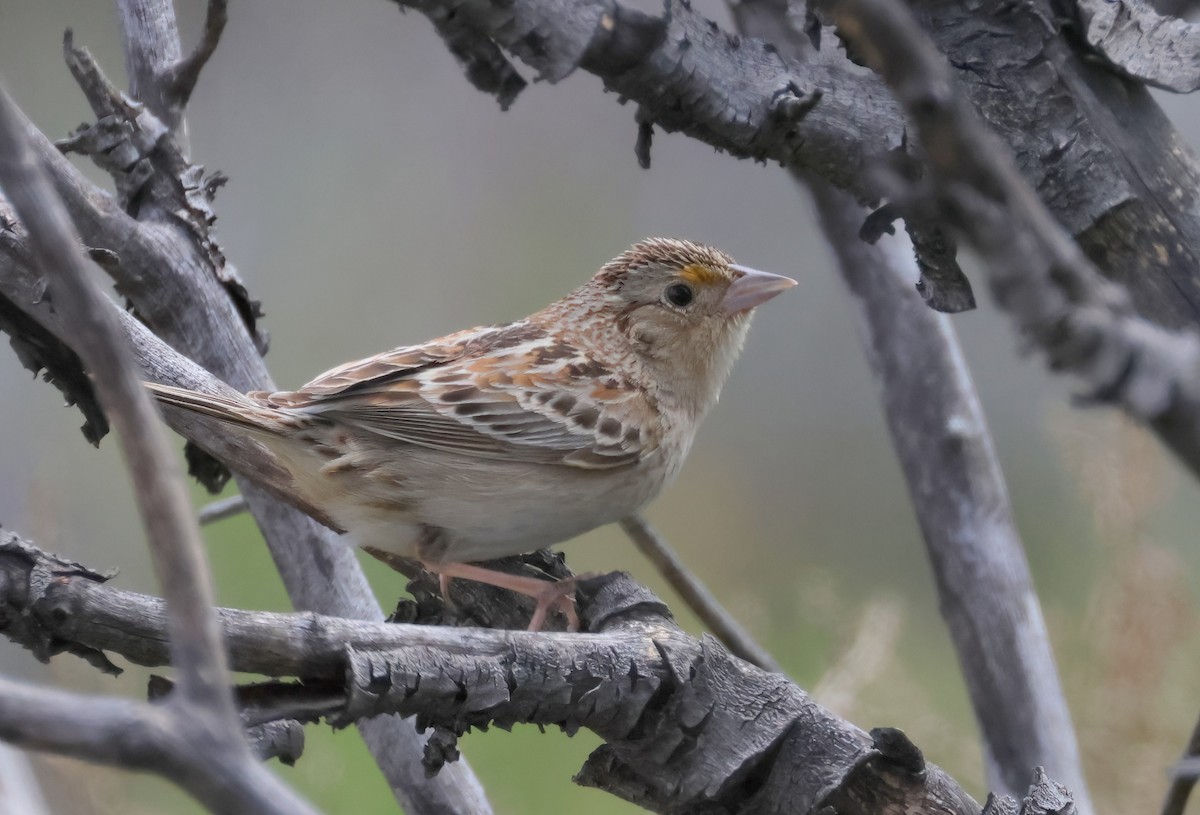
510	393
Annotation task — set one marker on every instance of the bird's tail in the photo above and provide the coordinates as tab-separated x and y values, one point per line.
239	411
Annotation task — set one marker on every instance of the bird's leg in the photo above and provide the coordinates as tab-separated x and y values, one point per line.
547	594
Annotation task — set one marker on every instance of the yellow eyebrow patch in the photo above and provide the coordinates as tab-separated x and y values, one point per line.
698	274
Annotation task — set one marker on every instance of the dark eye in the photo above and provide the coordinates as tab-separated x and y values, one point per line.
679	294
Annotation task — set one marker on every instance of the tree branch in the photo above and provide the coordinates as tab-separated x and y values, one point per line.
957	488
1120	187
941	437
180	79
696	595
180	284
687	75
1055	295
686	726
220	767
158	486
1140	43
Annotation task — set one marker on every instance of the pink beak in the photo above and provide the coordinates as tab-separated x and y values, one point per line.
752	288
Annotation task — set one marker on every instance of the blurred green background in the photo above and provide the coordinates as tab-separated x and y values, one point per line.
376	199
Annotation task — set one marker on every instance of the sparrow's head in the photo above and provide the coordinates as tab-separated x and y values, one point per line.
685	309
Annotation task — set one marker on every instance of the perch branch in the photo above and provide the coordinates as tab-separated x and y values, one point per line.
686	725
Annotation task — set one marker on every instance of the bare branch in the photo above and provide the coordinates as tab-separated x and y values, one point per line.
696	595
152	48
985	590
687	75
216	766
686	725
180	79
162	266
1140	43
136	735
1084	324
957	488
174	539
1183	776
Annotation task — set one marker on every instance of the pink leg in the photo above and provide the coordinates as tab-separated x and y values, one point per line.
549	595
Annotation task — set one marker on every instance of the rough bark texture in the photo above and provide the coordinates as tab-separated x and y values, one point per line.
158	248
1162	51
985	590
687	727
1097	148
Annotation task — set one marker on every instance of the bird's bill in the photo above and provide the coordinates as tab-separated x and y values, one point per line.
753	288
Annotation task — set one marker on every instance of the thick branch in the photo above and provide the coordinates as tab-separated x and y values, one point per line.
179	283
957	489
686	725
1101	152
1159	50
985	590
217	766
158	485
687	75
1084	324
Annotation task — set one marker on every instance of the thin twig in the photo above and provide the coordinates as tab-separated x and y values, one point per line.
221	509
1183	776
182	76
696	595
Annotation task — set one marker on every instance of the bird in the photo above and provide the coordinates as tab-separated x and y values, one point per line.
503	439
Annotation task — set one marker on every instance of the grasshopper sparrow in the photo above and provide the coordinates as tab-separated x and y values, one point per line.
504	439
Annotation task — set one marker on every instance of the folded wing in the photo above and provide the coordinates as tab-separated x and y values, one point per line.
506	393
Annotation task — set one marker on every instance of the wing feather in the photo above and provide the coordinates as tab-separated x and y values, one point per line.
510	393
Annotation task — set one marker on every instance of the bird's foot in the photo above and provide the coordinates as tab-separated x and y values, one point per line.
549	595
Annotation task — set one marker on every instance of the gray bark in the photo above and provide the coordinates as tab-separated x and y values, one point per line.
163	258
686	726
985	590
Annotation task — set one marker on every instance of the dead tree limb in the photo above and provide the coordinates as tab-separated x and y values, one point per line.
1099	150
985	590
158	245
1084	324
687	727
217	766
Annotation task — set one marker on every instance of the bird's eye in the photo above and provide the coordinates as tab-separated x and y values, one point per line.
679	294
